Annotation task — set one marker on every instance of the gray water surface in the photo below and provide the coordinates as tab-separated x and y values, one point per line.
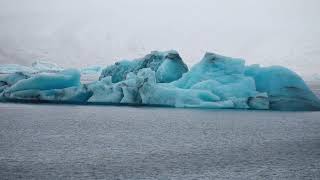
108	142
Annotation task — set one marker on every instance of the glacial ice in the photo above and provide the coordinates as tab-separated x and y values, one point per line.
286	90
167	65
163	79
46	81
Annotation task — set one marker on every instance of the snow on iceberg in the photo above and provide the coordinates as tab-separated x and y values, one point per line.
162	78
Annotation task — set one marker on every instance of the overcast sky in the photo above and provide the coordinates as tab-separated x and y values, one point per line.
88	32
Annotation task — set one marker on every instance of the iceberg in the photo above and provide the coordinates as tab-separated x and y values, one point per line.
163	79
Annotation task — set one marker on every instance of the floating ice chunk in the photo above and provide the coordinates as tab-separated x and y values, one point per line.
161	78
167	65
286	90
46	81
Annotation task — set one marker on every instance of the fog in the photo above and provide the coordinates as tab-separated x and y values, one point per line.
78	33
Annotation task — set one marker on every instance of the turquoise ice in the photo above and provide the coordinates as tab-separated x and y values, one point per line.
168	67
286	90
163	79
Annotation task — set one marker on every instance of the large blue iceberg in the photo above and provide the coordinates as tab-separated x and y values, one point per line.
163	79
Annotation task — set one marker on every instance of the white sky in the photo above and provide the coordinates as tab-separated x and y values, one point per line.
88	32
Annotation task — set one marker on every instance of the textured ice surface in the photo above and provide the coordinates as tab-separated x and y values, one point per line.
162	78
31	86
286	90
167	65
224	77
